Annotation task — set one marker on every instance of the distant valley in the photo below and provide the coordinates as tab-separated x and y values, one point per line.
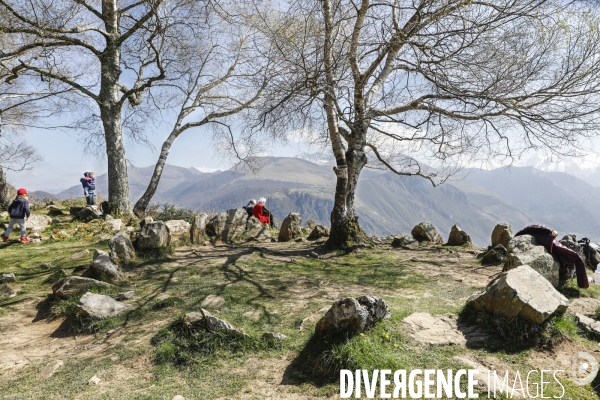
386	203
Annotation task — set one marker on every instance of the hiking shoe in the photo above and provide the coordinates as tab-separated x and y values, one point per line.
4	239
24	240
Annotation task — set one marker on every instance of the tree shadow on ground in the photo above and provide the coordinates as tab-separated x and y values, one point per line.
313	364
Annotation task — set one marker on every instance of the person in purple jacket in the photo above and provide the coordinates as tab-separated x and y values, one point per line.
561	253
19	213
89	187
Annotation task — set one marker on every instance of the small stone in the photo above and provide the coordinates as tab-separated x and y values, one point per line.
94	380
121	247
212	301
53	210
458	237
403	240
124	295
318	232
178	397
273	336
206	320
353	315
589	324
6	278
75	284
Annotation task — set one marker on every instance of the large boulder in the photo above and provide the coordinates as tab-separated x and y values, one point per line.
178	227
205	320
100	306
87	215
353	315
121	247
502	234
103	266
290	227
525	250
257	231
228	225
425	232
318	232
458	237
198	228
75	284
152	236
521	292
37	220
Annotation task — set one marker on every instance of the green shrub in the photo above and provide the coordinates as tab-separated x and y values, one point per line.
169	212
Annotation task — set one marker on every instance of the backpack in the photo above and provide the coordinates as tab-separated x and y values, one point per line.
591	252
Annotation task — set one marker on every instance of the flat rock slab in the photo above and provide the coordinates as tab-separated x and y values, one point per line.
442	330
589	324
79	255
50	369
255	315
584	305
212	301
100	306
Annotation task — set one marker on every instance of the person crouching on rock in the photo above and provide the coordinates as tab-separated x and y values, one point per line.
260	212
19	213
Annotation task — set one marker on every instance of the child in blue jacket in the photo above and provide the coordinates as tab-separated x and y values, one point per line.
19	213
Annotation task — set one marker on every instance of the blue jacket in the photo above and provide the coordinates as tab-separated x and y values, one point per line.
19	209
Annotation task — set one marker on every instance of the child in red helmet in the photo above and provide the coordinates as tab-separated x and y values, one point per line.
19	213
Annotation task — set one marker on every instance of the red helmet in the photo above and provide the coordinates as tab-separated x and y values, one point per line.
22	191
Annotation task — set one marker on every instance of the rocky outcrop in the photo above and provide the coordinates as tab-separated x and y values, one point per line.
318	232
228	226
103	266
521	292
404	240
100	306
525	250
198	229
353	315
205	320
121	247
178	227
458	237
496	255
502	234
152	236
75	284
290	227
425	232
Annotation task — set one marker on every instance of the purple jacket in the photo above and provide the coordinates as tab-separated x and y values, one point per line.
561	253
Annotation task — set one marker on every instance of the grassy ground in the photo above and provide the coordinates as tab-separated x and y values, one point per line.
266	288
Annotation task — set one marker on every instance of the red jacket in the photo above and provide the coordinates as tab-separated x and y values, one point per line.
260	214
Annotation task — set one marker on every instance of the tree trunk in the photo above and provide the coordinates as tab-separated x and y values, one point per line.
345	230
110	113
5	191
142	204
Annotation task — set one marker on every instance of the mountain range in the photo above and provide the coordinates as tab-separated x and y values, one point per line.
386	203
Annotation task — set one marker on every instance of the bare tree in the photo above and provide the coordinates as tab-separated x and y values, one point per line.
219	74
401	81
107	52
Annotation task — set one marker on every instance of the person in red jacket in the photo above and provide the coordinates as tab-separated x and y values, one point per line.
260	213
